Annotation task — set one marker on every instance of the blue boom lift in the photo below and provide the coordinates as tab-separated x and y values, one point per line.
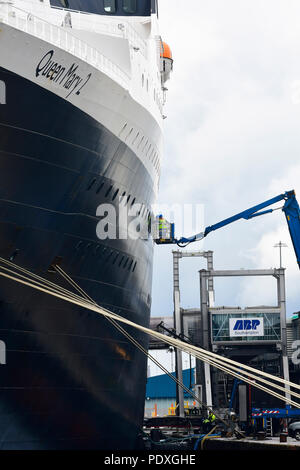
165	231
166	235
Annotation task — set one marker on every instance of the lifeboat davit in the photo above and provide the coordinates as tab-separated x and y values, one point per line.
166	61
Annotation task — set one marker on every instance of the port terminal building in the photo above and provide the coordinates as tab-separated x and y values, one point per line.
260	336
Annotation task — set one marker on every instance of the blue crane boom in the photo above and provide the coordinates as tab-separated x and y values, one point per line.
290	208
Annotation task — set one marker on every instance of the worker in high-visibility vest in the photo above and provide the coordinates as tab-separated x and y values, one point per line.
209	422
212	418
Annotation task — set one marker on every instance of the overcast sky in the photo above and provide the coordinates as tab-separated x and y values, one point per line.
232	140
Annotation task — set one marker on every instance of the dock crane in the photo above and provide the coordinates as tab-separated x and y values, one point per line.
165	231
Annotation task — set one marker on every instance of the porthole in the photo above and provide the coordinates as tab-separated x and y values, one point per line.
108	191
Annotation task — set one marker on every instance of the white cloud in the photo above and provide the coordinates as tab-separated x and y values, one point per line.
232	134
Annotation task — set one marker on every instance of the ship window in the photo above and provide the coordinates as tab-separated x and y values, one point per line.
115	195
129	6
130	264
65	3
91	184
108	191
116	258
109	6
135	138
100	187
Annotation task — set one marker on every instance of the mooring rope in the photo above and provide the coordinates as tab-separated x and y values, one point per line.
142	349
200	353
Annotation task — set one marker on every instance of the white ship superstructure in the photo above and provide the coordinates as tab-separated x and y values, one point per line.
117	67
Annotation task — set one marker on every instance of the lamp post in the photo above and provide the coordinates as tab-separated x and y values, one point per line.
280	245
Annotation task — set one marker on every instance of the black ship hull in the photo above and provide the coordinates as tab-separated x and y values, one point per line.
71	380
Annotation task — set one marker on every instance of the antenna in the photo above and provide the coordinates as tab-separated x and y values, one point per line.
280	245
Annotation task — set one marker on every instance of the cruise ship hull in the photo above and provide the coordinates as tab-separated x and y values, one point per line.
71	380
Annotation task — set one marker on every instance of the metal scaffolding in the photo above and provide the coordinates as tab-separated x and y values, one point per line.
177	255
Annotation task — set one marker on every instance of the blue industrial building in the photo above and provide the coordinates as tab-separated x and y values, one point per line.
161	393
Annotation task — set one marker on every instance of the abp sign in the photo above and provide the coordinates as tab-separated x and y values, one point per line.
250	326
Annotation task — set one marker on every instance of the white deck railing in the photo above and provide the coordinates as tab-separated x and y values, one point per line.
103	25
61	37
80	20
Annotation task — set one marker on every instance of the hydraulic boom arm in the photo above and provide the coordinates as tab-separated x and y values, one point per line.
290	208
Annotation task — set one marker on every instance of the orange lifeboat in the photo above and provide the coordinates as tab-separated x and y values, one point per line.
165	51
166	61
